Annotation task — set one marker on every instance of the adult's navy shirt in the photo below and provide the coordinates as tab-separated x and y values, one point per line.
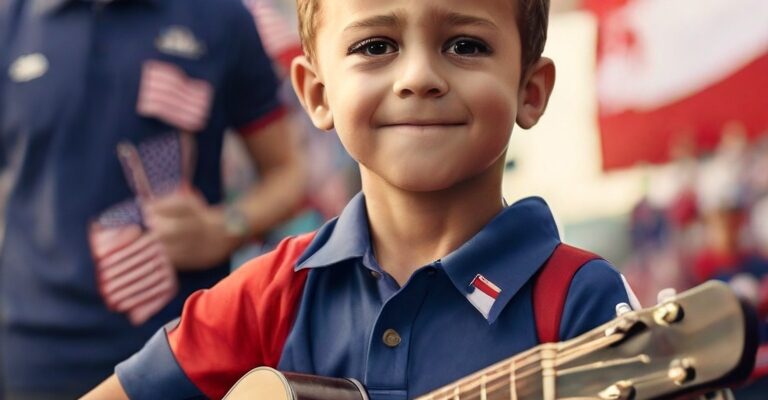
58	134
321	304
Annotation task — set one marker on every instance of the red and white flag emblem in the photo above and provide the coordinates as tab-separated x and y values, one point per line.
168	94
483	295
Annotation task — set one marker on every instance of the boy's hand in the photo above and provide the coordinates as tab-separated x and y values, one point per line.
191	231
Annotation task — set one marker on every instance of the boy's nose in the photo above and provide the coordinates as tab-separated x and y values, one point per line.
419	77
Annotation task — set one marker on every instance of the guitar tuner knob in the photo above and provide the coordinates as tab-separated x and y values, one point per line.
623	308
681	371
668	313
622	390
623	326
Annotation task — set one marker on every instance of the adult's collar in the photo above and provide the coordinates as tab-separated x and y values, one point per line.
49	6
340	239
507	252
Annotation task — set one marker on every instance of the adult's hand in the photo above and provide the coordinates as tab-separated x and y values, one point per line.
191	231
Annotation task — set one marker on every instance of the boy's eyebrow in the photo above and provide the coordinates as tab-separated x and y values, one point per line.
441	16
376	21
454	18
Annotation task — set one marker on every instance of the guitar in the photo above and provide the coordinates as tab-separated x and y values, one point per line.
699	340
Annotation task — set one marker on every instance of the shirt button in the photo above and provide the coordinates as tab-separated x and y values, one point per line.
375	274
391	338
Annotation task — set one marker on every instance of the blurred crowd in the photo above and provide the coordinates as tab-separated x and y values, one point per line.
705	216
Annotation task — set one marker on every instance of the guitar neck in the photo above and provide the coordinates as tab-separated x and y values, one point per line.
646	354
517	378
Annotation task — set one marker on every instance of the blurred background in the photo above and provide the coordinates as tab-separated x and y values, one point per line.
654	149
653	152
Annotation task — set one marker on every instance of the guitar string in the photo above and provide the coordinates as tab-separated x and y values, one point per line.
474	381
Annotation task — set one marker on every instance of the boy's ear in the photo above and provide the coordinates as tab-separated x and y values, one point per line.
311	92
534	92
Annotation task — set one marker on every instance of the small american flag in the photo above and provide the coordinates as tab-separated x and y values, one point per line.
483	294
134	274
168	94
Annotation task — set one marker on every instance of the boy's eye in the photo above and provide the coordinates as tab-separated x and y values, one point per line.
467	47
373	47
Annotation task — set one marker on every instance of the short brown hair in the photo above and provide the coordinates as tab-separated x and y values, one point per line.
532	20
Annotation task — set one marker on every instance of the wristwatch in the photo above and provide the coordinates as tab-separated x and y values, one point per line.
236	223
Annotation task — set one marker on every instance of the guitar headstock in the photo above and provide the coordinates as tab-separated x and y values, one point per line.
702	338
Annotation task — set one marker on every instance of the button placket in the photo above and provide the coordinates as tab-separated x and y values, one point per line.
389	345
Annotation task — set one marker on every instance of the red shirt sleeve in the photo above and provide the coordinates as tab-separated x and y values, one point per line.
242	322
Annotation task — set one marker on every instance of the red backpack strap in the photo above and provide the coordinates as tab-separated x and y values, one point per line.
550	288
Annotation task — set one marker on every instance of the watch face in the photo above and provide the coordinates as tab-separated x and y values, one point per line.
236	223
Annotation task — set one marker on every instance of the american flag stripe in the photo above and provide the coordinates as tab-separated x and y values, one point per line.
167	93
139	270
163	78
165	88
166	105
129	296
142	312
159	287
106	241
277	35
114	264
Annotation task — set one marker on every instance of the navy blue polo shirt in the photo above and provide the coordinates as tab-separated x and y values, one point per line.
70	74
322	305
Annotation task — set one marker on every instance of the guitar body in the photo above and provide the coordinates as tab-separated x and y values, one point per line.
267	383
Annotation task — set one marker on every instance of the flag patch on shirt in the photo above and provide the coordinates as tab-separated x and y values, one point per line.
168	94
483	294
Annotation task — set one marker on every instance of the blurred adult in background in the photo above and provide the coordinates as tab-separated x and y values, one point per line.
79	77
333	176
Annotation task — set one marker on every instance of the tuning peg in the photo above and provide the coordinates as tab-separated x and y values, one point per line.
666	294
681	371
622	308
622	390
667	313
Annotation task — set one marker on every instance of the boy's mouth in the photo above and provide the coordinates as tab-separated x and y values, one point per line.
424	123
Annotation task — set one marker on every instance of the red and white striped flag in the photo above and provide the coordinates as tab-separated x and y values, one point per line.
133	272
483	295
168	94
676	71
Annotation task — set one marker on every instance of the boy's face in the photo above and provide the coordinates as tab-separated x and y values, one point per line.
423	94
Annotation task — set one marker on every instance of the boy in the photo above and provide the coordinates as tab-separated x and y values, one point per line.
423	95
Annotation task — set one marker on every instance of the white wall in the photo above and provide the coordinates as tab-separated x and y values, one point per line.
559	159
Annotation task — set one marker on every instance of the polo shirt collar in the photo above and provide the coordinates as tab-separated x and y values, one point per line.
49	6
507	252
340	239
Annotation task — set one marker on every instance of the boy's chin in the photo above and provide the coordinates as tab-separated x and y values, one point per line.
424	182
